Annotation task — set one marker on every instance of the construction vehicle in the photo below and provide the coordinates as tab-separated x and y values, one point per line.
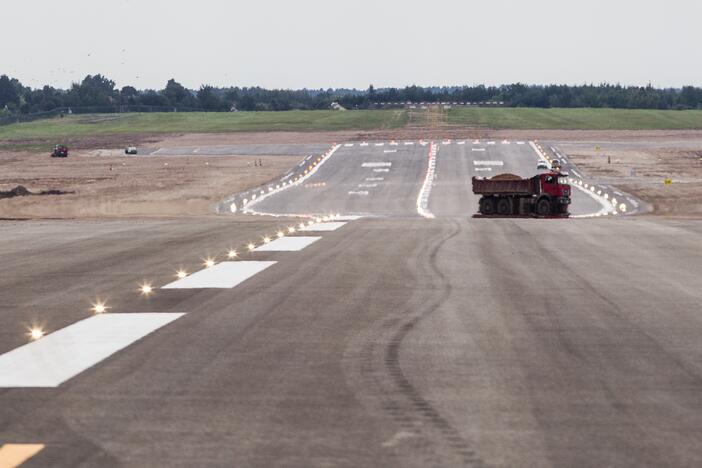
543	195
60	151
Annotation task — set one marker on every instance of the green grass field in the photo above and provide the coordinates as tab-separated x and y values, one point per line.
78	126
575	119
203	122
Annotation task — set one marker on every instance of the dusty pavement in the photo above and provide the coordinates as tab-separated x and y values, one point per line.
390	340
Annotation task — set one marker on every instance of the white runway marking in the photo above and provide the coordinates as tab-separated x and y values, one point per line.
520	142
490	142
360	192
287	244
376	164
332	226
489	163
390	151
367	185
349	145
222	275
380	144
65	353
483	168
374	179
381	170
478	149
461	143
409	143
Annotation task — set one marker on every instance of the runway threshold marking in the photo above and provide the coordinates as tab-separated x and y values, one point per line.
488	163
65	353
478	149
223	275
13	455
377	164
381	170
331	226
287	244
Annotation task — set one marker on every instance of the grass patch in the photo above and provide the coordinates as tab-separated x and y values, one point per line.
575	119
203	122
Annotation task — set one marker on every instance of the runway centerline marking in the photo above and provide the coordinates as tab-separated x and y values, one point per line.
358	192
367	185
377	164
381	170
223	275
12	455
287	244
65	353
374	179
477	149
390	151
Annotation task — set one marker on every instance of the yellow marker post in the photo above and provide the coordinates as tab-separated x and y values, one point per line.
13	455
667	181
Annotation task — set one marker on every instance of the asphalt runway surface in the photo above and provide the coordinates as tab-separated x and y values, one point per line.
393	340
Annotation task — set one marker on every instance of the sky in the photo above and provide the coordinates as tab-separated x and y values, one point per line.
332	44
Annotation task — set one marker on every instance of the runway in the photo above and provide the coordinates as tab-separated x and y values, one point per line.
389	340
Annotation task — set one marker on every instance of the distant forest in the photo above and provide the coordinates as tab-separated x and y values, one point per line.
97	93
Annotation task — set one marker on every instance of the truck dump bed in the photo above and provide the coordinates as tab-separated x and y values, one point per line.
505	184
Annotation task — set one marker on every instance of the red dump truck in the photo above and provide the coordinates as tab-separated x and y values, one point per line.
545	194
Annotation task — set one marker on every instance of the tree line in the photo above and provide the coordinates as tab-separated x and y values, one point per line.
97	93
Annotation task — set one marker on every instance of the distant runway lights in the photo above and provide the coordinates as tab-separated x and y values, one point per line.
146	289
291	229
208	262
180	274
266	240
310	222
317	220
622	208
280	234
251	246
35	333
302	226
99	307
231	253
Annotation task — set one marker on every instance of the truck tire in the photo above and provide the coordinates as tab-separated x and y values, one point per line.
504	207
487	206
543	207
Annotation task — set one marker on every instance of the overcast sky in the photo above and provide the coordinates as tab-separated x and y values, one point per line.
331	43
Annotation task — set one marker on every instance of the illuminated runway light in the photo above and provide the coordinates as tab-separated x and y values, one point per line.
592	188
325	218
251	247
310	222
232	253
317	220
291	229
180	274
599	192
614	201
280	234
208	262
99	307
35	333
606	195
622	208
301	225
146	289
266	240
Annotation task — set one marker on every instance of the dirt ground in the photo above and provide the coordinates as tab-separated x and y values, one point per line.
642	172
108	183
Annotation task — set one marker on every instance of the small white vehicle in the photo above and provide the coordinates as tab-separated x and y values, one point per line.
130	150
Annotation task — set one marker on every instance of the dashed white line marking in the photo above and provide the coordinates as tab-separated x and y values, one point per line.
376	164
409	143
477	149
358	192
381	170
460	142
287	244
483	168
349	145
65	353
367	185
380	144
332	226
374	179
490	142
390	151
223	275
520	142
489	163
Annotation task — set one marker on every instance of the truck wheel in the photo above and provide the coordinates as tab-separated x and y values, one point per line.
503	207
487	206
543	207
